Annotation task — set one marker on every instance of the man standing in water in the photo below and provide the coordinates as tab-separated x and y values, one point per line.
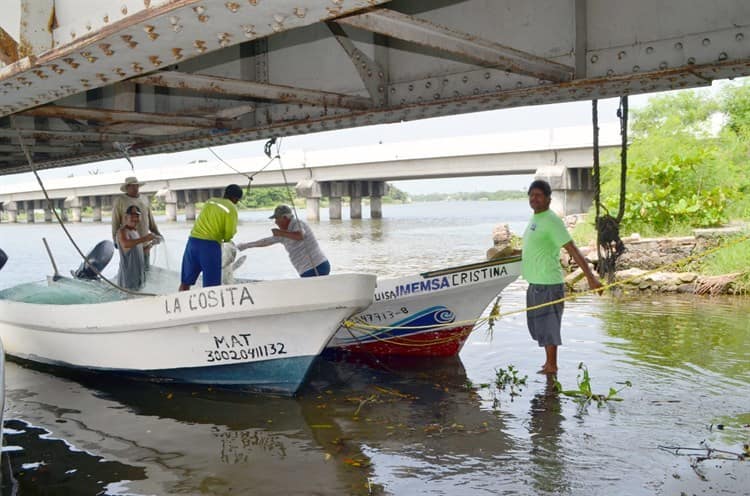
540	266
216	224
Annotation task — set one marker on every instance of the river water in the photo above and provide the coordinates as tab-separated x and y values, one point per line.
436	427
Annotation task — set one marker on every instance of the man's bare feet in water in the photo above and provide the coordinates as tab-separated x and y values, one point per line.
546	369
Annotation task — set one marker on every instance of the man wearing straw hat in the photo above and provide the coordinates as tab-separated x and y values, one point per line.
131	196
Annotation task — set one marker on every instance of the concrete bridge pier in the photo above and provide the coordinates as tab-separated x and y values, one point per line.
75	205
96	208
377	190
190	198
338	189
170	204
48	212
572	188
12	209
311	191
29	209
356	191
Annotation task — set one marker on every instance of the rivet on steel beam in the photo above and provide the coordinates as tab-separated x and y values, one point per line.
427	84
177	28
105	47
105	19
56	68
739	37
678	46
88	56
277	28
253	2
723	56
663	65
177	52
232	6
519	84
706	41
636	68
333	11
40	74
498	87
200	45
136	67
124	9
102	77
224	39
174	20
279	18
88	26
436	96
203	18
465	79
300	12
486	75
154	59
129	40
691	60
72	34
119	72
621	55
594	59
85	83
411	87
249	30
199	10
649	49
71	62
610	72
456	94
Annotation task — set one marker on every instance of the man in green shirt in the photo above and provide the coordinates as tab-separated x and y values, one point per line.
216	224
540	266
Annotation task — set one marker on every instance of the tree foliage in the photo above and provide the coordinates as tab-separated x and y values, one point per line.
686	162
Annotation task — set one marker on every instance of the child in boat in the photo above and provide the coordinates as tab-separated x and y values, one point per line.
132	273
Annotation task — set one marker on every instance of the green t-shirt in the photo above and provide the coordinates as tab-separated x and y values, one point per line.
217	221
540	259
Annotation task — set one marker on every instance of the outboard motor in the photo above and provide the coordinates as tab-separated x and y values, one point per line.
3	258
98	258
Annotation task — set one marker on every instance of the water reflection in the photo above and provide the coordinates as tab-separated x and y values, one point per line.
186	439
704	335
545	430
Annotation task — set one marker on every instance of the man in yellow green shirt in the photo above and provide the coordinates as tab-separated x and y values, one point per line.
216	224
545	234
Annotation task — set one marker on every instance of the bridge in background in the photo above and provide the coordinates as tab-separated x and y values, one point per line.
563	156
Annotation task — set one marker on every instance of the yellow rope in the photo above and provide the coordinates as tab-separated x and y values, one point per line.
495	314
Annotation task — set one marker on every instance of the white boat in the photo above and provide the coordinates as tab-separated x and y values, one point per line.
258	335
428	314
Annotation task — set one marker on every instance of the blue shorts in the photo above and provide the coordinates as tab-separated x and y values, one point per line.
321	270
201	255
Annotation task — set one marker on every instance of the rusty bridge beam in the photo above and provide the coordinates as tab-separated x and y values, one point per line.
111	116
480	51
251	89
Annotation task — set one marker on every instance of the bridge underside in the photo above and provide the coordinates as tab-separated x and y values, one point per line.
80	80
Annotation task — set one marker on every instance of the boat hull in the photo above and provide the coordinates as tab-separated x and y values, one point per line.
415	316
259	336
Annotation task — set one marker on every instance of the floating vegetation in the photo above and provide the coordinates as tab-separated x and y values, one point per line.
584	394
506	380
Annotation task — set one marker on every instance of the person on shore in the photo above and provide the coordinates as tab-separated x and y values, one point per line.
545	234
299	241
132	273
131	196
216	224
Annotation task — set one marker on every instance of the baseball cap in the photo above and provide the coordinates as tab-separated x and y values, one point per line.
280	211
132	209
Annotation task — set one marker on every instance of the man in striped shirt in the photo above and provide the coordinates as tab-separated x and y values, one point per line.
216	224
299	241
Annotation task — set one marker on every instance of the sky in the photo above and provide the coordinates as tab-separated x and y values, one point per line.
495	121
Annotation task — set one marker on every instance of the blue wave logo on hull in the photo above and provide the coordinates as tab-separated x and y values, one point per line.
433	316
